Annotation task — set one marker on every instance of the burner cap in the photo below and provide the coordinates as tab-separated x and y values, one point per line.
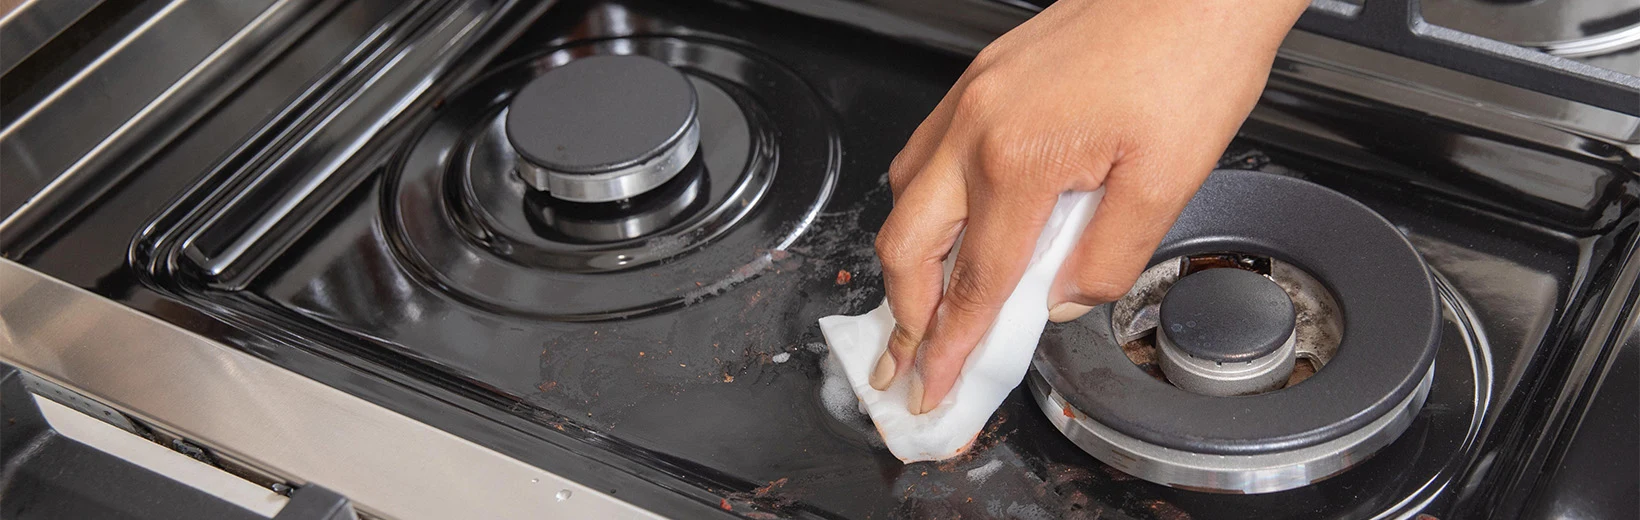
604	128
1226	315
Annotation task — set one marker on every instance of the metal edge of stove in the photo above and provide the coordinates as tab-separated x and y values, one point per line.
1448	94
1564	395
30	25
103	125
257	413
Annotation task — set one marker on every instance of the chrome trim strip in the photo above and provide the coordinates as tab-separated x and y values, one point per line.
1262	473
254	412
28	27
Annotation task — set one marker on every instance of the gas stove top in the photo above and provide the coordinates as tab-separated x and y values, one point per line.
642	319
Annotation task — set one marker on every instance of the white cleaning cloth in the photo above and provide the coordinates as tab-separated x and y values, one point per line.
994	368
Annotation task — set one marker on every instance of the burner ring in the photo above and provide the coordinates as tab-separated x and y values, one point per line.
1388	300
1258	473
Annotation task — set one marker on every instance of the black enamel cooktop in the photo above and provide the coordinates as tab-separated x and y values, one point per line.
689	356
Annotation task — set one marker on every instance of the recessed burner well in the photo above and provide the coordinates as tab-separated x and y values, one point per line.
543	188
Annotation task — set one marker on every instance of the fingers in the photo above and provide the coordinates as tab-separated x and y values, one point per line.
1141	202
912	246
1001	234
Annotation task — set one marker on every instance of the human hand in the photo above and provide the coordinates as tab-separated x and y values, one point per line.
1137	96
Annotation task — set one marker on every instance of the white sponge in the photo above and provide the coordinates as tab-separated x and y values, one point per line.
994	368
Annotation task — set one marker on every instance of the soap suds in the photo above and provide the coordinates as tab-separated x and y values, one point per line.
996	365
839	401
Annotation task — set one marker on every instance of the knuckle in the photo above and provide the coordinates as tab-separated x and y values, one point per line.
889	250
980	95
1098	288
900	171
894	250
1002	153
967	295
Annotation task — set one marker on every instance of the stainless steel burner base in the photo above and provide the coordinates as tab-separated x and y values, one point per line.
1241	474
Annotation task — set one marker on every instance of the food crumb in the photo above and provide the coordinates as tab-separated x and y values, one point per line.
682	365
728	378
724	504
765	490
1068	412
640	353
781	357
843	276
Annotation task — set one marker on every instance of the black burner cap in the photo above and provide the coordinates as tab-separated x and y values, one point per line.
1226	315
601	113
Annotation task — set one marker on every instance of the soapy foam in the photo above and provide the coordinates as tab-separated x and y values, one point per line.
992	370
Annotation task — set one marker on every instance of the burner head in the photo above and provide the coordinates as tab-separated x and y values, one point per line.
604	128
1226	332
1226	315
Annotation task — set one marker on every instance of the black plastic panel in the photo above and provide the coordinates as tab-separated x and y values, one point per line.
44	475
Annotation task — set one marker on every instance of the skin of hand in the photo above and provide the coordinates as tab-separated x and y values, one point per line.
1138	96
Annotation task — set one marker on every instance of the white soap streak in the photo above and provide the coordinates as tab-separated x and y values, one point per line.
980	474
995	367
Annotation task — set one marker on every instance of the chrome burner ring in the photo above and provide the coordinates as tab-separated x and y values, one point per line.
1459	382
1244	474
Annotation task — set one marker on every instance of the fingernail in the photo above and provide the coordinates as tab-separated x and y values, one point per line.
884	373
1067	311
914	400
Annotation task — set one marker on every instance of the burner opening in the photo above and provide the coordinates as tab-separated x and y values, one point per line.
1280	360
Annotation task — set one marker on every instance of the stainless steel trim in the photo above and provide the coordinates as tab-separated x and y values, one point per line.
1595	45
1205	377
143	91
29	26
276	420
623	183
1263	473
